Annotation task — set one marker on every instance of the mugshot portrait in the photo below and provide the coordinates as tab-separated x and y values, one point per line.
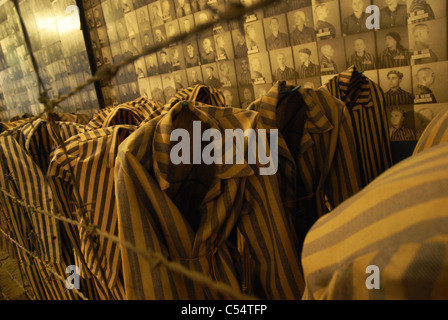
239	43
191	53
425	10
165	65
180	79
397	86
227	75
155	14
326	19
207	50
204	17
211	76
152	66
172	29
306	60
224	48
168	11
155	82
424	114
183	8
140	68
169	88
331	56
301	26
255	39
354	16
231	97
393	47
276	32
428	82
130	19
427	41
260	68
107	55
159	34
401	123
98	16
243	74
393	13
361	51
144	24
247	96
194	76
282	63
177	57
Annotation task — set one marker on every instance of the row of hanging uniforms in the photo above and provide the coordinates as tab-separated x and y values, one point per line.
156	208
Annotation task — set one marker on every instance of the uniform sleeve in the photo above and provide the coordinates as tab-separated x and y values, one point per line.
272	242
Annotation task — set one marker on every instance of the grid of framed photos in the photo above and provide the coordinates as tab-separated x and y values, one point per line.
304	41
60	50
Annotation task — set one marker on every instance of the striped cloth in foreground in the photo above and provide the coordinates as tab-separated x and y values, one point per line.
435	133
398	223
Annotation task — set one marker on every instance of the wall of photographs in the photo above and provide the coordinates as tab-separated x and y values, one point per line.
304	41
60	51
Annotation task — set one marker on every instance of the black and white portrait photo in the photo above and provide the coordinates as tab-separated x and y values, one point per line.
276	32
211	76
255	39
243	74
260	68
301	26
306	61
354	16
282	63
393	13
397	86
401	123
361	51
428	82
327	20
427	41
194	76
227	75
393	47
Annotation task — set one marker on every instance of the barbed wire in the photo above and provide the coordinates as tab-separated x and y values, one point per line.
232	12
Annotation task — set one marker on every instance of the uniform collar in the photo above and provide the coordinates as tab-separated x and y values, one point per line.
162	144
349	82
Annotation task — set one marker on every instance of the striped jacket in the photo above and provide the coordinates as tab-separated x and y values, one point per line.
317	161
197	93
435	133
193	226
25	155
397	225
92	156
366	104
128	113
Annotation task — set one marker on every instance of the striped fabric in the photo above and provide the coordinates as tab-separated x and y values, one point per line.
72	117
193	226
435	133
197	93
398	224
365	101
129	113
92	156
36	232
318	162
398	97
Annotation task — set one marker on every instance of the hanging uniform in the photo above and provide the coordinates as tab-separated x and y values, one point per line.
92	156
192	225
25	158
366	104
317	158
435	133
388	242
129	113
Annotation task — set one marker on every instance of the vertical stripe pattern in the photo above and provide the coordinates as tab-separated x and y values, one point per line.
398	224
366	104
